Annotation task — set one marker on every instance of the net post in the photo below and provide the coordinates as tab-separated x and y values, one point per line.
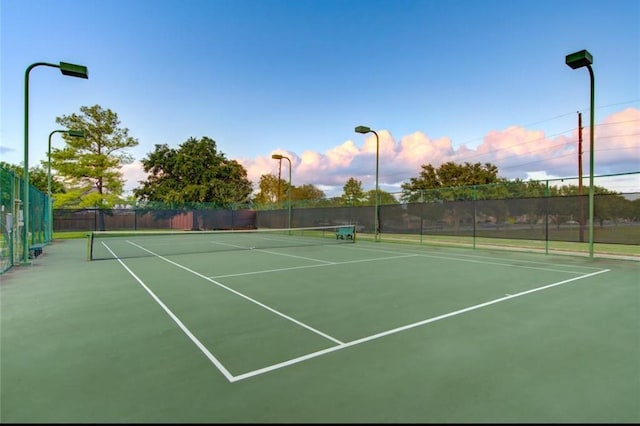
90	246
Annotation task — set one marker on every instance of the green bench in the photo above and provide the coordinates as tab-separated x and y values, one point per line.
345	232
35	250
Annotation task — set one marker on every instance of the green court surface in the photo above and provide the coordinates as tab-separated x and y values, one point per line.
333	333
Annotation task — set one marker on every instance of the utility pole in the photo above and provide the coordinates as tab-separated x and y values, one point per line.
580	198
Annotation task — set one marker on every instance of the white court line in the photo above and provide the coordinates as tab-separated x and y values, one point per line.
340	345
450	258
403	328
244	296
266	271
509	265
427	247
272	252
453	258
175	319
593	268
326	262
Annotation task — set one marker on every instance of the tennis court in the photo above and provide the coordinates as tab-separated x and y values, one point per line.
280	327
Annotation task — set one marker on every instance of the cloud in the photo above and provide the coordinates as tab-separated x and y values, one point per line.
516	151
616	142
132	174
5	150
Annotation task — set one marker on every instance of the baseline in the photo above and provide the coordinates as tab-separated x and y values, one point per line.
403	328
339	345
479	260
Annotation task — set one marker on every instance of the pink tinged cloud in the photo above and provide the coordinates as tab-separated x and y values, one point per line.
340	156
417	149
514	141
516	151
617	138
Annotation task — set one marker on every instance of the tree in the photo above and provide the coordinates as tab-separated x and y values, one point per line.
452	182
268	194
90	166
456	178
384	197
307	192
634	210
268	190
193	174
38	178
352	193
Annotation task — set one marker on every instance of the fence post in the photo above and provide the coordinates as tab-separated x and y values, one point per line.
546	219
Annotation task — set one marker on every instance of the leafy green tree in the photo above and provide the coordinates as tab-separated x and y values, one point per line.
352	193
634	210
530	202
450	181
90	166
193	174
268	186
383	199
610	206
308	193
268	194
12	167
38	177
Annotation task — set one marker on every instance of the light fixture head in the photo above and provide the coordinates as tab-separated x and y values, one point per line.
74	70
579	59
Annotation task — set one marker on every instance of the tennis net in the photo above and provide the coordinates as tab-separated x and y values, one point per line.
129	244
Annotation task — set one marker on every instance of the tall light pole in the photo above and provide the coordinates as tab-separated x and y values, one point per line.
280	157
581	202
279	173
376	219
71	70
76	134
579	60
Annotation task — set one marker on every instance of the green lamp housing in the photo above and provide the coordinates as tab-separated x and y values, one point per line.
74	70
579	59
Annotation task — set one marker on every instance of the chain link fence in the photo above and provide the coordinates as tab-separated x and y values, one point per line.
12	238
514	210
538	211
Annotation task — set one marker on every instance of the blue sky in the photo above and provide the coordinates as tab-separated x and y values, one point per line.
440	80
